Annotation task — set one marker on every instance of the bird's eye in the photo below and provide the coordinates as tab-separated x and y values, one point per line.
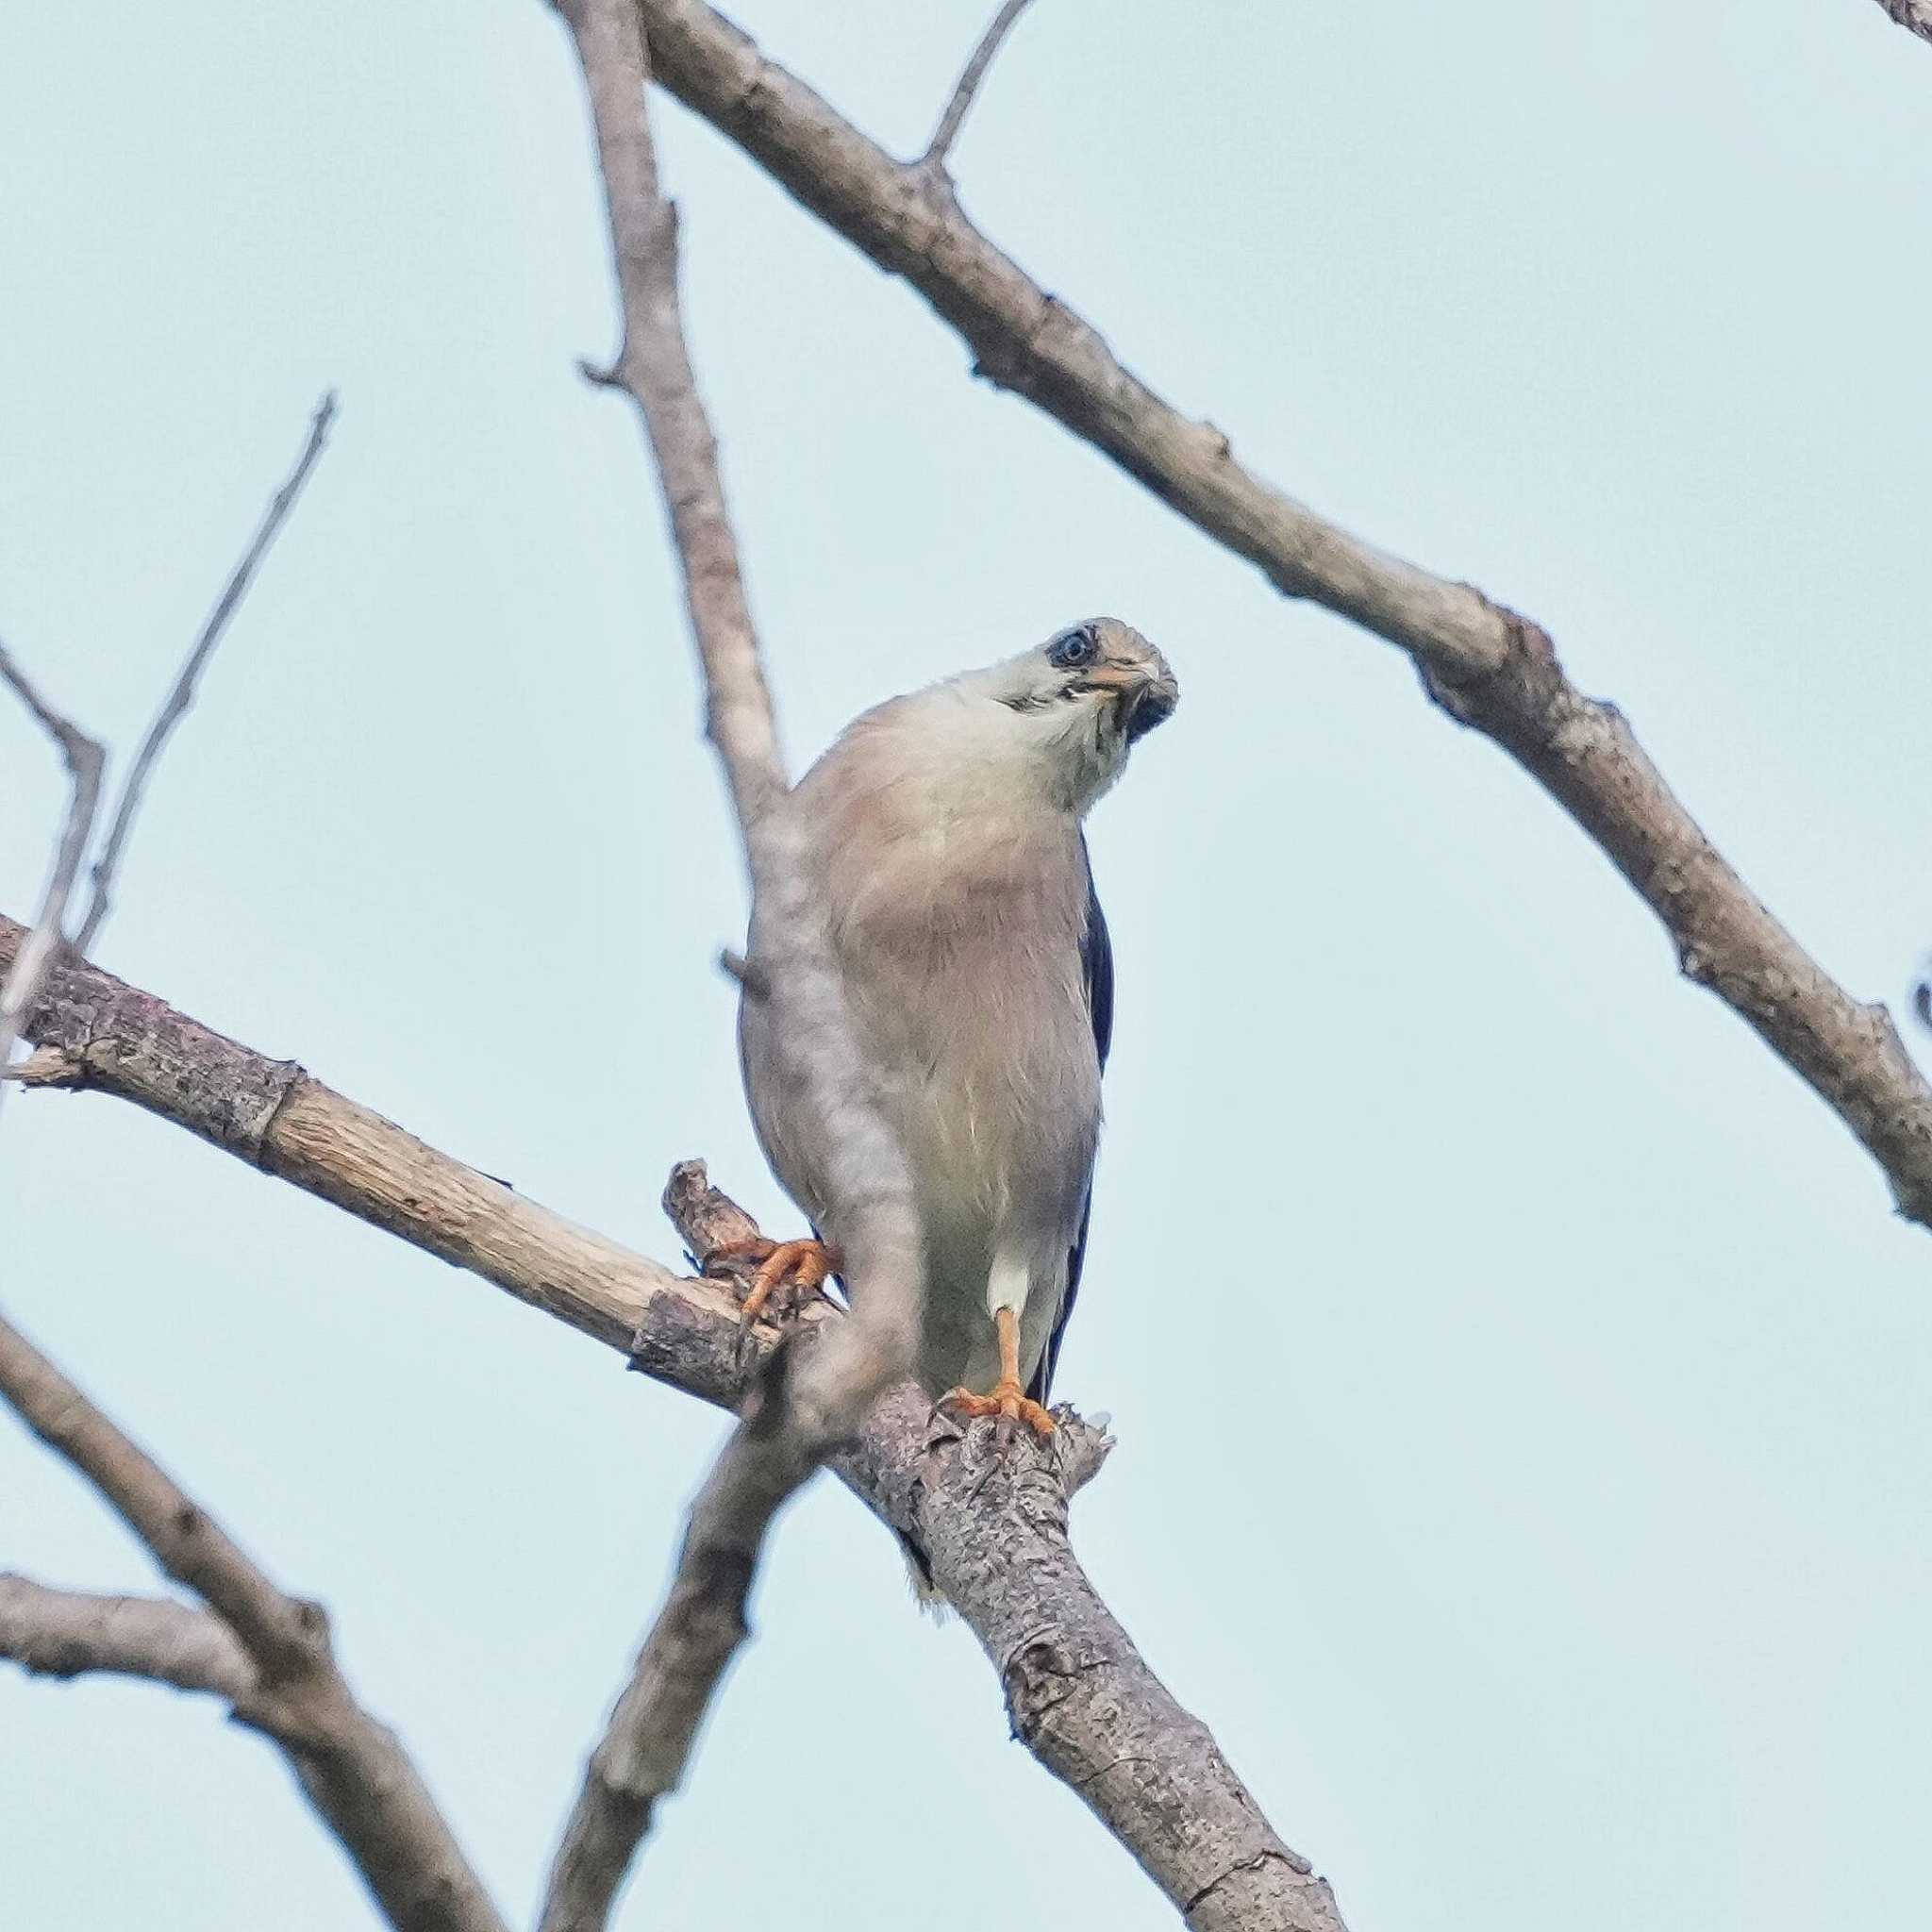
1073	648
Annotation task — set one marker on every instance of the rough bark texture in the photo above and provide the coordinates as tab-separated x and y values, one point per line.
1489	668
1915	16
1081	1697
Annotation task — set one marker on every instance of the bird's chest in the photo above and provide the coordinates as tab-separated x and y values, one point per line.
962	944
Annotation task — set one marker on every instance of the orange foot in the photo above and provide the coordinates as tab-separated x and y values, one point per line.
1007	1398
800	1267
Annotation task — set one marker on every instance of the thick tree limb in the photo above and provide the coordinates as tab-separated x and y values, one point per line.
181	694
356	1774
1915	16
1079	1695
1082	1699
84	760
1486	667
784	1436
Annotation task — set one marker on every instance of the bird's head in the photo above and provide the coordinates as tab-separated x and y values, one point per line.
1075	705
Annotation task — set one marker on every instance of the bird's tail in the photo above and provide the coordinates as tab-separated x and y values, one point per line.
927	1593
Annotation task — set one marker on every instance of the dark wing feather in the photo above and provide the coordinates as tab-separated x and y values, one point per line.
1096	972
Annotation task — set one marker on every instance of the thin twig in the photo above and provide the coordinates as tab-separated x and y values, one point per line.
800	1416
1081	1694
84	761
355	1773
1482	663
178	699
973	73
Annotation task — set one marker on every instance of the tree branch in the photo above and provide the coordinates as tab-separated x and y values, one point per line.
971	76
802	1409
181	696
1483	664
355	1773
84	763
1082	1698
1915	16
65	1633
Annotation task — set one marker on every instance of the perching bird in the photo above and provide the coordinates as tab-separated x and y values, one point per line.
943	832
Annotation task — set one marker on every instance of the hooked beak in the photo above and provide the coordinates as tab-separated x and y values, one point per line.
1144	698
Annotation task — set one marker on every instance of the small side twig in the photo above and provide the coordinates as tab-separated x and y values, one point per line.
971	76
754	979
85	762
181	695
354	1771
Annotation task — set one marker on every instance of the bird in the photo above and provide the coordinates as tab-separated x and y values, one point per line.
943	836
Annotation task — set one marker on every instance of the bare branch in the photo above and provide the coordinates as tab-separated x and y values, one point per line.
1915	16
355	1773
783	1437
1083	1699
178	699
84	764
1485	666
1079	1695
971	75
65	1633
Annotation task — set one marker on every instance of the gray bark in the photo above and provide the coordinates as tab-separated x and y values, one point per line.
1080	1696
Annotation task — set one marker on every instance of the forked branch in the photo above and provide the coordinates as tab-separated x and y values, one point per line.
1081	1697
268	1654
1485	666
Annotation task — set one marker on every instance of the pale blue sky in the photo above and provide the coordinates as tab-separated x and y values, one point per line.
1522	1385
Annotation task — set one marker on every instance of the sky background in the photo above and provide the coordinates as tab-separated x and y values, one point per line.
1522	1383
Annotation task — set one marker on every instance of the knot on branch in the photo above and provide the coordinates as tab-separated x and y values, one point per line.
1512	699
1043	1672
1039	1676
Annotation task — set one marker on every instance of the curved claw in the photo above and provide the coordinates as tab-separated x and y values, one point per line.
1006	1400
800	1267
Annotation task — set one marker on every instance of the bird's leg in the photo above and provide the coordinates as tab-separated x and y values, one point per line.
1007	1399
802	1266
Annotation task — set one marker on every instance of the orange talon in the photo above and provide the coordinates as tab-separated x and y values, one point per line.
1007	1399
802	1266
